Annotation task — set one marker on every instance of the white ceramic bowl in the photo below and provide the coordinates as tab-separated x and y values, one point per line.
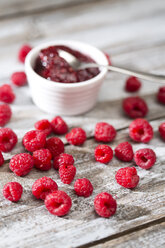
62	98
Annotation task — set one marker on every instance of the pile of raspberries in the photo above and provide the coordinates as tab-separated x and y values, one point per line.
43	151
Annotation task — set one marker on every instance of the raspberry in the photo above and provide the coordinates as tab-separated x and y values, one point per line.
132	84
59	126
43	187
127	177
103	154
1	159
42	159
63	159
135	107
5	114
162	130
161	95
67	173
24	50
105	205
34	140
83	187
55	146
43	125
124	152
8	139
19	78
58	203
145	158
140	130
104	132
12	191
6	94
21	164
76	137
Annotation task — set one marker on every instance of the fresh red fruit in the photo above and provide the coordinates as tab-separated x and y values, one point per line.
21	164
6	94
34	140
145	158
103	154
124	152
161	95
12	191
55	146
58	203
140	131
76	137
132	84
59	126
8	139
1	159
127	177
105	205
135	107
43	187
19	78
67	173
162	130
63	159
42	159
104	132
24	50
43	125
83	187
5	114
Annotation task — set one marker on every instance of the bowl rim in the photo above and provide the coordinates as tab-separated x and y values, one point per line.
36	49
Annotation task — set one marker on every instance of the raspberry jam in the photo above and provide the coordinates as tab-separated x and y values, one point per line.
53	67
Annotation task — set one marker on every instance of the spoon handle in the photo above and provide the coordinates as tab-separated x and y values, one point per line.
139	74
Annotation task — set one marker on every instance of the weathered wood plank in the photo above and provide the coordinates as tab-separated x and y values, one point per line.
153	237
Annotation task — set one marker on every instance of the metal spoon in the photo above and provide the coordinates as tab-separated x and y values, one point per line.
77	65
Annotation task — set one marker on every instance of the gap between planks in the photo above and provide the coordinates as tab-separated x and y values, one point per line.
124	233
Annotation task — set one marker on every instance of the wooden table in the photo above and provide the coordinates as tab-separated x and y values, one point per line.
133	33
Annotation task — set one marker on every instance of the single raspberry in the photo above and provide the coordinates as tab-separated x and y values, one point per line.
135	107
145	158
140	131
127	177
24	50
59	126
132	84
162	130
105	205
1	159
161	95
12	191
34	140
42	159
55	146
63	159
58	203
83	187
104	132
19	78
43	187
124	152
76	137
43	125
5	114
8	139
108	58
21	164
103	154
67	173
6	94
